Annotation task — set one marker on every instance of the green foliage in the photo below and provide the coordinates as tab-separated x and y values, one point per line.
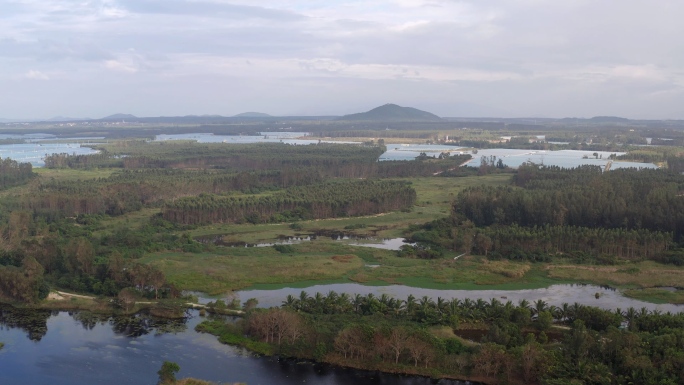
167	373
326	200
13	173
284	249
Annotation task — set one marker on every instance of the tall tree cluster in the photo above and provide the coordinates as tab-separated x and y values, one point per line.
326	200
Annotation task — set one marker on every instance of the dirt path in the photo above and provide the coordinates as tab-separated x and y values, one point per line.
64	294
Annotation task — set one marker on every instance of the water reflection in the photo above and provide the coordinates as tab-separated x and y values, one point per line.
33	322
86	348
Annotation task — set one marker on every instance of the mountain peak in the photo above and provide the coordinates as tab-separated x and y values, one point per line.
252	114
393	113
119	117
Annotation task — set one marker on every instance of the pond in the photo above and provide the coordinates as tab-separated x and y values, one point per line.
68	349
562	158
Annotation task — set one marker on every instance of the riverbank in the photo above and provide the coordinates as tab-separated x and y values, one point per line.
169	309
263	349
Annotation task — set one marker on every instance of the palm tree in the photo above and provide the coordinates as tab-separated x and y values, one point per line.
631	316
524	303
441	305
357	302
344	303
291	302
410	304
304	301
539	306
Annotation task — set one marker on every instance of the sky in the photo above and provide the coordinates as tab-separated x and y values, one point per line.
468	58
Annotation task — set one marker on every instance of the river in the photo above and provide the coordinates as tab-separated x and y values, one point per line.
67	349
62	348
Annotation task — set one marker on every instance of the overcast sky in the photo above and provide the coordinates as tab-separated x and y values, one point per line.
508	58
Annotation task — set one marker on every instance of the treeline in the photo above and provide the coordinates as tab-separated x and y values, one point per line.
324	200
13	173
65	160
542	243
131	190
513	343
238	157
323	159
583	214
584	197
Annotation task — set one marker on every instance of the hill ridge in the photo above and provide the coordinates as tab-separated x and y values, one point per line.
393	113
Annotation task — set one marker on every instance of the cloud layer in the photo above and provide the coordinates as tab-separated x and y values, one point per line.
451	57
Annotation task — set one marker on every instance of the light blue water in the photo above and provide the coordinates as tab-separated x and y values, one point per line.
511	157
34	153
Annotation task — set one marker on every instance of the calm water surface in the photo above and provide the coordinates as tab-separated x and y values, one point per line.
75	352
511	157
609	298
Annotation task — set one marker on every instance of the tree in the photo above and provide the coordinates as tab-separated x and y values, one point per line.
127	297
167	373
544	320
397	341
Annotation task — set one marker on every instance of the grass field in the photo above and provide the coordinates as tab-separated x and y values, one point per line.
656	295
637	275
240	267
326	261
434	201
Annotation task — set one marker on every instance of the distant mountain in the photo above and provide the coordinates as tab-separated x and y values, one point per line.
120	117
609	119
393	113
252	115
64	119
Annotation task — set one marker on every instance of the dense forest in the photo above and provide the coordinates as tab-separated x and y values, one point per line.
584	213
585	196
514	343
37	255
325	200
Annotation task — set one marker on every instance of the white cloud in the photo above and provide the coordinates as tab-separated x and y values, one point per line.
501	53
116	65
36	75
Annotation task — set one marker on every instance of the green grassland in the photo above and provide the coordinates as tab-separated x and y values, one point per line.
656	295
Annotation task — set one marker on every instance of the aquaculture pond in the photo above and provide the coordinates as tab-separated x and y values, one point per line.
61	348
